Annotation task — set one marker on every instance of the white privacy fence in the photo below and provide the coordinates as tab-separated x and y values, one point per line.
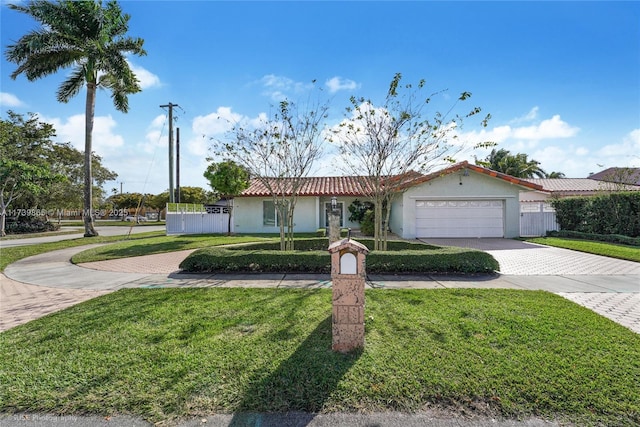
536	218
197	219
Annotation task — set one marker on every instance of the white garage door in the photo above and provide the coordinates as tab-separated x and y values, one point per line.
459	218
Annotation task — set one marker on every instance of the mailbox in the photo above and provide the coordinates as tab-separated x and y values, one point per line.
348	276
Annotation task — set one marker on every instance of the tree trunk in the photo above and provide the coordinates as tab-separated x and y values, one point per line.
3	218
230	211
89	230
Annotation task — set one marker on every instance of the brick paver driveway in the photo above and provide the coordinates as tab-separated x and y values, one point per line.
522	258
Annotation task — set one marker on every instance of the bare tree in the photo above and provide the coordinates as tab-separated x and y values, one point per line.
279	153
390	145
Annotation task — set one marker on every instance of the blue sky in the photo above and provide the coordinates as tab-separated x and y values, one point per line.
560	79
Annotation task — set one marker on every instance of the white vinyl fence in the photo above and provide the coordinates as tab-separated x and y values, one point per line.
536	218
197	219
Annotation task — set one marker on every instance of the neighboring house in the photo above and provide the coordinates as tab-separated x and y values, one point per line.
537	216
463	200
568	187
620	175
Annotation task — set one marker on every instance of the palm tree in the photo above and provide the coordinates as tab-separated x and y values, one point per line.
90	38
517	165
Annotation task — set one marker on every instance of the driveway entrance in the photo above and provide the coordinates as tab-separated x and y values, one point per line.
524	259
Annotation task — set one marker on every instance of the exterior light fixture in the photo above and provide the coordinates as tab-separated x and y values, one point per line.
334	202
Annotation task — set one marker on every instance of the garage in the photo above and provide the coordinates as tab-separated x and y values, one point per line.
459	218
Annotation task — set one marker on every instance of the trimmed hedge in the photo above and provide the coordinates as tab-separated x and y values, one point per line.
614	213
311	256
608	238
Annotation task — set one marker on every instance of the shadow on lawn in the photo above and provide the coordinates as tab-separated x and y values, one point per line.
301	384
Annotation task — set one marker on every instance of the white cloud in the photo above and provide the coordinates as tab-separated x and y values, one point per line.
216	123
624	154
145	77
529	117
547	129
10	100
338	83
72	130
279	88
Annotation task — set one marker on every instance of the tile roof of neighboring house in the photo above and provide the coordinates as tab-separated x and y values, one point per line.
579	186
357	185
622	175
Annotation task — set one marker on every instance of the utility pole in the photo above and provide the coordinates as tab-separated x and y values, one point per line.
178	165
171	190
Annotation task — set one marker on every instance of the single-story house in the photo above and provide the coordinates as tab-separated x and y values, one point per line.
463	200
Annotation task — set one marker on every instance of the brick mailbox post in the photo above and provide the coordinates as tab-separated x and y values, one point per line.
348	276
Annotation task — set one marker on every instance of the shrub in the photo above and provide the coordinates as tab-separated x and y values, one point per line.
311	256
367	226
29	224
615	213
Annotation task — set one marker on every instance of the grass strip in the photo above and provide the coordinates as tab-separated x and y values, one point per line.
169	353
161	244
612	250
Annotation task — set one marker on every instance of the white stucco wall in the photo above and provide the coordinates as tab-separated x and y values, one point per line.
309	214
476	186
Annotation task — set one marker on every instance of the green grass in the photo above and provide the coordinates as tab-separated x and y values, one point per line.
161	244
169	353
612	250
13	254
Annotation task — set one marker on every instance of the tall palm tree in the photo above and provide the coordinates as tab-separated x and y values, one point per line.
90	38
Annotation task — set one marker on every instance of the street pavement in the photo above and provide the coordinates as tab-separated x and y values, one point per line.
110	230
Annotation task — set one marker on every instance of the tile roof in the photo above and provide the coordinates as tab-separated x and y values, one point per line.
622	175
357	185
576	186
309	186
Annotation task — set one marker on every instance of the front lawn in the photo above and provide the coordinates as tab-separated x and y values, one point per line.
311	256
630	253
168	353
161	244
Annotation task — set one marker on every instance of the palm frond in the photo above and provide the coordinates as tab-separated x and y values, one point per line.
70	87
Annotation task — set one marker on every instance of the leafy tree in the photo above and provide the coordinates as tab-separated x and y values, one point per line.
158	202
90	38
25	173
518	165
279	152
227	179
387	145
69	162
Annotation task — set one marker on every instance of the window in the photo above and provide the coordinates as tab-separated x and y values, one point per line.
270	214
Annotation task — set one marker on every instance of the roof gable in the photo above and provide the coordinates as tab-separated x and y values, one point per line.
620	175
358	186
